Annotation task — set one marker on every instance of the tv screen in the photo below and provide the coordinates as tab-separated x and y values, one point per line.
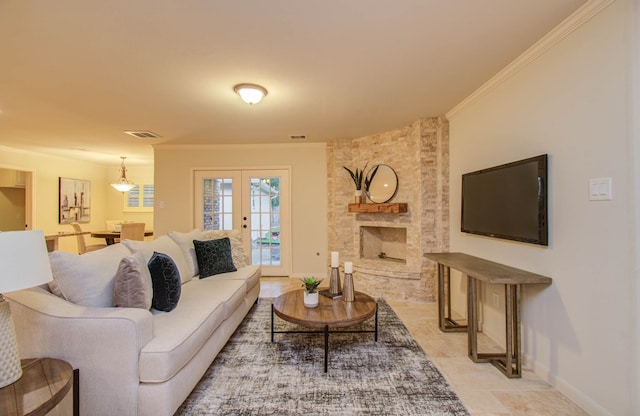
507	201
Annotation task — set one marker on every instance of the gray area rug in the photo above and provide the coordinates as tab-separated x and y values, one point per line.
253	376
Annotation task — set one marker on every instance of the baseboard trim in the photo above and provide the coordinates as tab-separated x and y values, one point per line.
577	396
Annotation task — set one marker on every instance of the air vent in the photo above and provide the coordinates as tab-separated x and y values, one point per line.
298	137
143	134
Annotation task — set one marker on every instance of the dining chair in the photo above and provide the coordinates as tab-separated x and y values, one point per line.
132	231
82	244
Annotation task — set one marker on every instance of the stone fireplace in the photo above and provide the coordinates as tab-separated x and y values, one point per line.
387	248
384	243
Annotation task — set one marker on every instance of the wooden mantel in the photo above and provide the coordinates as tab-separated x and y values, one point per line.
398	207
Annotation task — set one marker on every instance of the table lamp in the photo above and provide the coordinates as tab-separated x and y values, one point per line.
25	264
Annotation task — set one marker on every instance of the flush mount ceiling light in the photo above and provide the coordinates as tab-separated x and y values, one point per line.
250	93
123	184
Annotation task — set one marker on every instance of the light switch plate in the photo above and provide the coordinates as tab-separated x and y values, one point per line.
600	189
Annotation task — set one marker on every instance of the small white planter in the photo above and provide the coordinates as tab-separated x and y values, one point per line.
310	299
359	198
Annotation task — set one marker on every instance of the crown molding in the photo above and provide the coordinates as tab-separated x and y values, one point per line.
210	146
568	26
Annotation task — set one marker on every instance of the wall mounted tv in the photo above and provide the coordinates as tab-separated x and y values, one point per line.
507	201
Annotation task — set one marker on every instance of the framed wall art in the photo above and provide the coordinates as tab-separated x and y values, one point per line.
75	201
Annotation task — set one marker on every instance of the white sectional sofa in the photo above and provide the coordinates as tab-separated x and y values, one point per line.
134	361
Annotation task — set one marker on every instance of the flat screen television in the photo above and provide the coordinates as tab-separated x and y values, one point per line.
507	201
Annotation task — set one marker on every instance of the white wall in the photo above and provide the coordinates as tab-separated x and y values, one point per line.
173	168
46	171
573	102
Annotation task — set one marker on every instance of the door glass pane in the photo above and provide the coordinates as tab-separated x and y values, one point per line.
217	207
265	221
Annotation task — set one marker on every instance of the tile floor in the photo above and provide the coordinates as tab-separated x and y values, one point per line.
482	388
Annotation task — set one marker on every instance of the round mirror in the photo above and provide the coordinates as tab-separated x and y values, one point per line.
383	184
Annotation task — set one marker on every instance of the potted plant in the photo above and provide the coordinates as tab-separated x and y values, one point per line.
310	285
357	176
369	179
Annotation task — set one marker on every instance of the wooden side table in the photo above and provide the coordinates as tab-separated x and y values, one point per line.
43	385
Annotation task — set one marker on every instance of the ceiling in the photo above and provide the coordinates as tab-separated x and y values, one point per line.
75	74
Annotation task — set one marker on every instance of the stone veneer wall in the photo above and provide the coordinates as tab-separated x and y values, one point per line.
419	153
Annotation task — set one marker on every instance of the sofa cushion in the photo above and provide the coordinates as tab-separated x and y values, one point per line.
185	241
179	334
86	279
133	288
163	244
248	274
214	257
165	279
237	249
231	292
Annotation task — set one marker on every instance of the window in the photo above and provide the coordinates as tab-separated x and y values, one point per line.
139	198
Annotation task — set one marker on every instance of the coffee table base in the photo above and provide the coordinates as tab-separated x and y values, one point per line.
326	333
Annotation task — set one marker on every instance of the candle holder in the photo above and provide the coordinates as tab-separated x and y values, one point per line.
334	281
348	293
334	285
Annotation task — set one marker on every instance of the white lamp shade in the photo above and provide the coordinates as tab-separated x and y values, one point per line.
24	260
123	186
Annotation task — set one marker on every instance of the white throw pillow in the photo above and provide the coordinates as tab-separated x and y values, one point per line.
237	250
86	279
163	244
185	241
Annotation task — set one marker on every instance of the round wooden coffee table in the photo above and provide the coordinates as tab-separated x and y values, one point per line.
330	313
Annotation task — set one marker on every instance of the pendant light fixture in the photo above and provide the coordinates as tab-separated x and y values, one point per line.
124	184
250	93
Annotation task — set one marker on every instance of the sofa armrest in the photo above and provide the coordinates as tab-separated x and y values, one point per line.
104	343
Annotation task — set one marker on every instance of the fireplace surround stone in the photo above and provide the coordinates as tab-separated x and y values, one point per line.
419	153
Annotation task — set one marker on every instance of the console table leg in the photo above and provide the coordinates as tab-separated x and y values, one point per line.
446	323
512	324
472	317
441	298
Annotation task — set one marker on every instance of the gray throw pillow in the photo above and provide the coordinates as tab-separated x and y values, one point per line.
214	257
165	279
133	287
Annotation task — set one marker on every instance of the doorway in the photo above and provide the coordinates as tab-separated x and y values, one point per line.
15	200
254	201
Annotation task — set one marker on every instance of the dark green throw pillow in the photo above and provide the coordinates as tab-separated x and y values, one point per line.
214	256
165	279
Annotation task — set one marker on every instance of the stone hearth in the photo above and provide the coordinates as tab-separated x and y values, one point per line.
419	154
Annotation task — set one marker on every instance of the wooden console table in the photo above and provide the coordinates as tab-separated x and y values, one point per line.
477	269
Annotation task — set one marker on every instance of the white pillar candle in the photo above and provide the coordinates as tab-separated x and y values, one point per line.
348	267
334	259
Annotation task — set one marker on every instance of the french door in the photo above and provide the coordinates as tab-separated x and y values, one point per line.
253	201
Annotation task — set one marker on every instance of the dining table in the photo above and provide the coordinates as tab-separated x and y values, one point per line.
111	236
52	239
